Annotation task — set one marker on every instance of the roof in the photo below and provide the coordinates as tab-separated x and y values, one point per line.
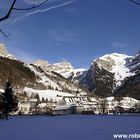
64	107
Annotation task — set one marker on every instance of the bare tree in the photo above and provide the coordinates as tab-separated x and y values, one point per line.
135	2
12	8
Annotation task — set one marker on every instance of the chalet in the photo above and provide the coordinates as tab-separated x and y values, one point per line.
64	110
126	105
27	106
110	105
81	103
46	108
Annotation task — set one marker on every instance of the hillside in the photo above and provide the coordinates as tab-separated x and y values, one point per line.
16	71
110	75
33	76
131	85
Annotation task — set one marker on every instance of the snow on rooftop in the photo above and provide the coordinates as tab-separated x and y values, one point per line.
93	99
129	99
42	105
128	102
110	98
62	107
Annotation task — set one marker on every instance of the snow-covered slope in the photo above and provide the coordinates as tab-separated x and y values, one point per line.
134	64
49	94
107	73
54	80
131	85
75	75
117	64
40	76
63	68
43	78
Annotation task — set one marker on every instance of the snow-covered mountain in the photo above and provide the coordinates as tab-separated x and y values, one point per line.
36	77
131	85
108	73
61	67
116	64
134	64
54	80
64	68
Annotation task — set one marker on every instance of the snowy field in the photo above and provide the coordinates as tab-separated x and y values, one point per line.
74	127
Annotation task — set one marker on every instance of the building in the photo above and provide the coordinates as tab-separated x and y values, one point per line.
82	104
64	110
27	106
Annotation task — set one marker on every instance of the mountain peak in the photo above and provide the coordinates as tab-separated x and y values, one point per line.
64	64
117	64
115	56
40	62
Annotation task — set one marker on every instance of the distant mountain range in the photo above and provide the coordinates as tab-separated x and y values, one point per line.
110	75
33	76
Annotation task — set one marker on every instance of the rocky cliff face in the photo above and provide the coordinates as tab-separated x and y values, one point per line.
131	85
108	73
116	64
134	64
61	67
111	74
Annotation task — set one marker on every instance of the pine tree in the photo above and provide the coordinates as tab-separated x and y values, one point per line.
10	102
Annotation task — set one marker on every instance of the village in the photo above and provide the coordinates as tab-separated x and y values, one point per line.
59	103
51	102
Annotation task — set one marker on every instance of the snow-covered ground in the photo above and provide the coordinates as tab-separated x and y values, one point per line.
42	77
49	94
68	127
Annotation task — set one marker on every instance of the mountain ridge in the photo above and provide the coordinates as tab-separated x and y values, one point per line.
110	75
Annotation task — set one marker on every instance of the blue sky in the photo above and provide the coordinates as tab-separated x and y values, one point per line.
77	31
